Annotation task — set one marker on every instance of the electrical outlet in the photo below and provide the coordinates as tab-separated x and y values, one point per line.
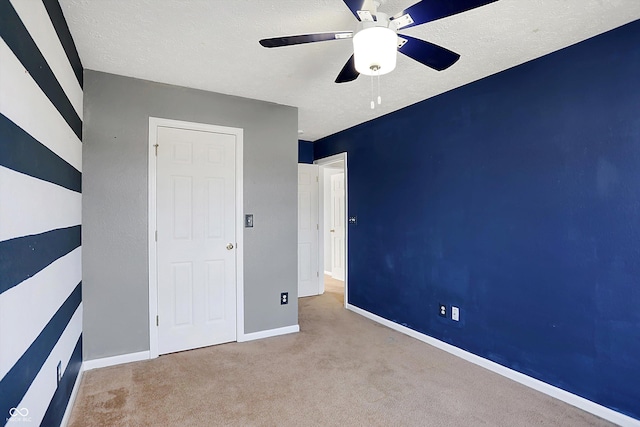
284	298
455	313
59	372
443	310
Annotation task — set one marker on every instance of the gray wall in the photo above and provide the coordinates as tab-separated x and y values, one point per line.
115	209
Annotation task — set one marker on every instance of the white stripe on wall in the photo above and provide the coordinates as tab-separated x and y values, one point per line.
34	206
34	16
27	308
22	101
37	398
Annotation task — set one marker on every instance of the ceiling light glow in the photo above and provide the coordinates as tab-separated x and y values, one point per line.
375	50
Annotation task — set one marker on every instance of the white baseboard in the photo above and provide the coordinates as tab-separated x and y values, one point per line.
269	333
72	398
328	273
558	393
115	360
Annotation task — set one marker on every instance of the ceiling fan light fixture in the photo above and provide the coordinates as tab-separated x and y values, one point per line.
375	50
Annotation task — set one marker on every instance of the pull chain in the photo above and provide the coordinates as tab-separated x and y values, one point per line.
373	104
379	98
375	69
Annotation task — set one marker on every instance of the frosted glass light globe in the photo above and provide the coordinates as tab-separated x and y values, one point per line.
375	50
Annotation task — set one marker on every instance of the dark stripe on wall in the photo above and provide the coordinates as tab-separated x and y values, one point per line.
15	384
23	257
22	153
62	29
60	400
17	37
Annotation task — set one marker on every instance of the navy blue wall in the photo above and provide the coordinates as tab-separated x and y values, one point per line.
517	199
305	151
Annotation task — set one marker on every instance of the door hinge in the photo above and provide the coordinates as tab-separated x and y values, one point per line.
317	179
317	227
156	235
156	147
317	274
157	320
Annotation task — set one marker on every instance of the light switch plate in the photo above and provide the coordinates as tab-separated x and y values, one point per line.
248	220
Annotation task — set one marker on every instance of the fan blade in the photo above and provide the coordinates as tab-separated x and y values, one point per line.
429	54
348	72
356	5
305	38
431	10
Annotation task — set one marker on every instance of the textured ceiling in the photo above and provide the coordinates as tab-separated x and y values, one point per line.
213	45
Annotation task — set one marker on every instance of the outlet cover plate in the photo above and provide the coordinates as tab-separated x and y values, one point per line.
442	311
284	298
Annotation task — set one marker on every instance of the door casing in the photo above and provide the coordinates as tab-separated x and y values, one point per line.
154	123
309	236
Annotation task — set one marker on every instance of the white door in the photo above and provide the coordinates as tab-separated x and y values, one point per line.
196	255
308	273
337	226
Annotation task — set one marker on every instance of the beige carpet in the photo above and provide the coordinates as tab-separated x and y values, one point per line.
340	370
334	286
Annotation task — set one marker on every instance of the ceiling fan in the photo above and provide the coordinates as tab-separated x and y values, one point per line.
376	42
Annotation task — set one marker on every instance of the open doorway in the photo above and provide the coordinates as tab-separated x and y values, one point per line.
333	224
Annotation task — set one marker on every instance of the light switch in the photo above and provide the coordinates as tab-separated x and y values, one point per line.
248	221
455	313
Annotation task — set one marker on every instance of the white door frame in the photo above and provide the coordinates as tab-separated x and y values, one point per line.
319	288
154	123
327	161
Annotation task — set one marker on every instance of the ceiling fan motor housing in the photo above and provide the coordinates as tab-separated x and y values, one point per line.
375	47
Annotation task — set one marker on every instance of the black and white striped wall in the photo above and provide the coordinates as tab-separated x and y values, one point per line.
40	213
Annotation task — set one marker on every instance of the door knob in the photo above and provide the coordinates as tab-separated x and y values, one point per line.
332	231
230	246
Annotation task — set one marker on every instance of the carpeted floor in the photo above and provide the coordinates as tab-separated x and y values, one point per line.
339	370
334	286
